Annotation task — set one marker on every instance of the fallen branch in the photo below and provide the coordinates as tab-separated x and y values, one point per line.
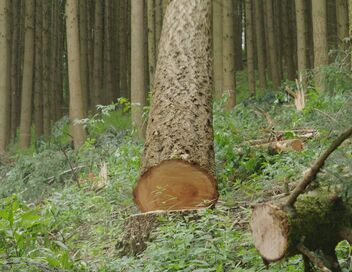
313	258
313	171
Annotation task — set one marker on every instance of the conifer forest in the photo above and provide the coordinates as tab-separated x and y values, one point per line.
175	135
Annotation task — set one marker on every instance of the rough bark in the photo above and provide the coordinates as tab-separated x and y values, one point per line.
217	48
151	40
259	29
137	67
4	74
177	170
158	23
273	57
321	57
74	74
250	47
228	48
27	79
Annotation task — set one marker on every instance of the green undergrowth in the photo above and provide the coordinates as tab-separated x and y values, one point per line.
52	220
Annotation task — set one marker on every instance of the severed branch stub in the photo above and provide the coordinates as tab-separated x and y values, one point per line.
319	220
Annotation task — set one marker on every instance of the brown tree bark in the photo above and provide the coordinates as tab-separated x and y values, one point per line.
38	71
98	53
46	69
178	169
217	48
108	87
74	74
5	52
27	81
259	28
287	40
123	41
228	48
342	21
137	67
151	40
83	49
158	23
273	57
301	37
15	66
321	57
250	47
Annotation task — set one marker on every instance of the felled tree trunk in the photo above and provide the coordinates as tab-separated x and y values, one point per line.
318	222
177	170
303	223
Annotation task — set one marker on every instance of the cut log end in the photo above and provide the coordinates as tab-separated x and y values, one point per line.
175	185
270	231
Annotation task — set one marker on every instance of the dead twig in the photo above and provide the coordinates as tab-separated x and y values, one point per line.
314	259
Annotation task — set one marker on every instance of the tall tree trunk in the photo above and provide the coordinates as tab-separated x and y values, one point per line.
137	66
17	20
27	81
238	33
301	37
158	23
250	47
5	52
273	59
217	48
38	71
83	49
108	87
178	166
46	67
74	74
123	41
350	22
321	57
287	40
151	40
342	21
98	53
229	82
259	28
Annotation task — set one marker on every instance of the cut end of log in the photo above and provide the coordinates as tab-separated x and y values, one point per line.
270	231
175	185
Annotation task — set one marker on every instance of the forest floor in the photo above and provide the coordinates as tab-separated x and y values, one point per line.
51	220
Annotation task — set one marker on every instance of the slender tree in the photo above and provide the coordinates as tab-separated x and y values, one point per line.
38	71
321	57
151	39
98	53
250	46
4	74
273	56
301	37
342	21
83	49
158	22
123	42
217	48
229	82
137	66
46	67
259	28
108	84
74	74
287	40
27	80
